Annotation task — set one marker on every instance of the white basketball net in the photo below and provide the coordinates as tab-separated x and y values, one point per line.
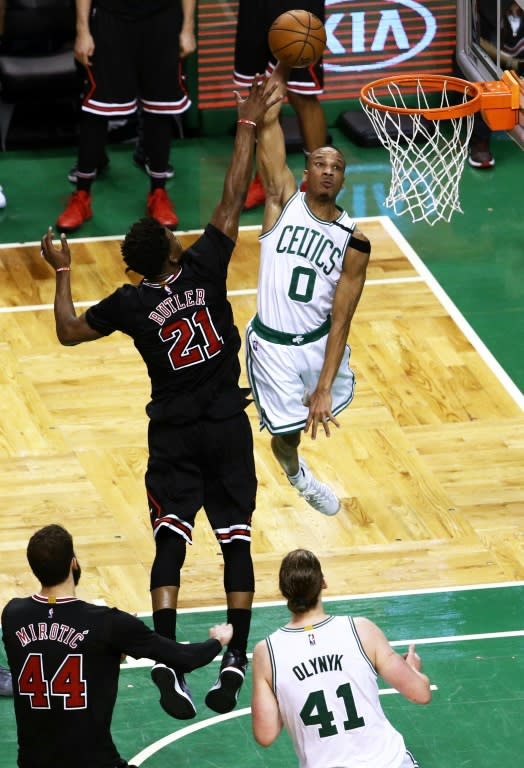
426	163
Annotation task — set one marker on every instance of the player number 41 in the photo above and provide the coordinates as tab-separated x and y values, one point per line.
316	712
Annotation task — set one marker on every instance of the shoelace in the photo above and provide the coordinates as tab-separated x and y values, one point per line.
317	494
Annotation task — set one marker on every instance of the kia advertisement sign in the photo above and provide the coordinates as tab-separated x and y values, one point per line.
366	39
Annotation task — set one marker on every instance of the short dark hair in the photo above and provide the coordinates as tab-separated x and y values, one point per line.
49	552
327	146
300	580
145	247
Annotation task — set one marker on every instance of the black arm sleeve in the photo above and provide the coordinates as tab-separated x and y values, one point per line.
130	636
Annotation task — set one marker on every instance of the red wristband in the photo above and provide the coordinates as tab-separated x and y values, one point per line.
243	121
63	269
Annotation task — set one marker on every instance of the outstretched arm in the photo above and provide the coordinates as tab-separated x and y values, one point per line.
70	329
278	180
251	110
347	296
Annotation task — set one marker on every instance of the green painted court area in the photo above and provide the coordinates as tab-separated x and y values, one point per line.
472	645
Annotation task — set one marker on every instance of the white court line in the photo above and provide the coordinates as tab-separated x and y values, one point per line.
362	596
105	238
238	292
156	746
211	721
142	663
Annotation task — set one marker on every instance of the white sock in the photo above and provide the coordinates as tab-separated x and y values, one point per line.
293	479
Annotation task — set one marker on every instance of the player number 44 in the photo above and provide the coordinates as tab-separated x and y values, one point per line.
67	682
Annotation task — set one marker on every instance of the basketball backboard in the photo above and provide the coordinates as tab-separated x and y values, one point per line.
490	39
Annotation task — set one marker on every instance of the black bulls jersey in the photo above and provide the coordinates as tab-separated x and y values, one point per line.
64	655
184	331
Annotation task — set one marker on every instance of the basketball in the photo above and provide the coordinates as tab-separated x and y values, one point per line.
297	38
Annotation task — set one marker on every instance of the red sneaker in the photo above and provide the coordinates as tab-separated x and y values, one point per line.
255	194
160	207
77	210
479	155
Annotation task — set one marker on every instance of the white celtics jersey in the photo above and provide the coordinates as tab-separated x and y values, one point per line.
328	698
301	259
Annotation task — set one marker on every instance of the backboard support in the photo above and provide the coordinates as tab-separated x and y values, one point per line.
480	51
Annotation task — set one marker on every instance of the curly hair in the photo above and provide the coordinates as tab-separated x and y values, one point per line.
300	580
145	248
49	553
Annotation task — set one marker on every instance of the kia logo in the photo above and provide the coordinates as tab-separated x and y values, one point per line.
391	32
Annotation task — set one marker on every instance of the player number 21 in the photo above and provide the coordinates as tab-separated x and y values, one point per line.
315	711
67	682
183	332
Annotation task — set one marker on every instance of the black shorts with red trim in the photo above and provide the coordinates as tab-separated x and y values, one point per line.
207	464
136	59
252	54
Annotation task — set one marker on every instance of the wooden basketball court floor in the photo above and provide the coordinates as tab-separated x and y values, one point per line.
428	463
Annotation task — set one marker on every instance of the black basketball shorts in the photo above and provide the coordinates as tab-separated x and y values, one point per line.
206	464
136	60
252	54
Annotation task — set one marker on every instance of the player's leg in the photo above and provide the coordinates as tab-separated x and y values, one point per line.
251	58
309	360
229	504
239	586
174	496
304	87
281	376
285	451
111	92
311	120
317	494
251	47
164	96
175	696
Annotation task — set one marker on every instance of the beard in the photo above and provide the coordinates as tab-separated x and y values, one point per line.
77	572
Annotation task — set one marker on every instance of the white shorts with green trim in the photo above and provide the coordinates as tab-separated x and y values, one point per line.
282	376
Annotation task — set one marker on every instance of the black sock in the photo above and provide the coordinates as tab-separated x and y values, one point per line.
157	184
164	622
240	618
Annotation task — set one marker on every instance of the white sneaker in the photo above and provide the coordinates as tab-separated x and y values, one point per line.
318	495
3	201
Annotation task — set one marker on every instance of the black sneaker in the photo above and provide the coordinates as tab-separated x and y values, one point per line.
140	159
102	167
222	697
175	696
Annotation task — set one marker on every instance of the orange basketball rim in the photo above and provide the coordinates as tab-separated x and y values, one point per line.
498	101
